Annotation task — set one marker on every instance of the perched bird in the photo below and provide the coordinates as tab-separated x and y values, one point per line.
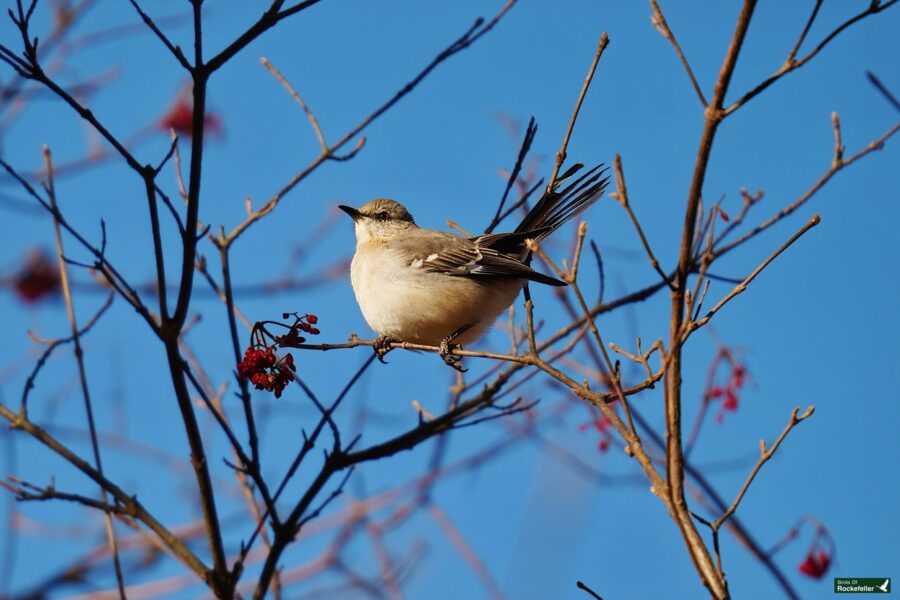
432	287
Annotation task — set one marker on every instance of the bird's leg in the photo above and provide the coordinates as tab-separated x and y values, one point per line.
382	346
447	347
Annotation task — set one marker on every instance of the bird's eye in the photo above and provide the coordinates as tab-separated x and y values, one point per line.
383	216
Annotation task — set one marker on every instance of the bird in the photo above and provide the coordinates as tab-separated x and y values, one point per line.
426	286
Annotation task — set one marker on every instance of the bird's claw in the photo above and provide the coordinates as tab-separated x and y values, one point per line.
450	359
382	346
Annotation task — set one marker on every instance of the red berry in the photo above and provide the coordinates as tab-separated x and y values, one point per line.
815	564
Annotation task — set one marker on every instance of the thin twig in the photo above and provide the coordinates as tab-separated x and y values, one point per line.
742	286
792	64
530	132
883	89
53	345
313	121
621	196
82	374
465	550
764	456
266	21
838	158
127	502
659	22
614	376
175	50
473	34
634	446
809	22
561	153
583	586
102	264
876	144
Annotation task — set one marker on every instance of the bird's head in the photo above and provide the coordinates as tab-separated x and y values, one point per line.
381	218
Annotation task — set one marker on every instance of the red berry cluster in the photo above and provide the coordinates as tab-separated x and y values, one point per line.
260	365
815	564
304	323
603	426
38	279
266	371
180	117
729	392
820	553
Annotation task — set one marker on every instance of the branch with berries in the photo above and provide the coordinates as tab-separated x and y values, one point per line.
261	365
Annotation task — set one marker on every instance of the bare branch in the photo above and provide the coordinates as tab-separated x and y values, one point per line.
561	153
583	586
659	22
473	34
711	578
874	145
465	550
809	22
82	374
313	121
742	286
530	132
266	21
621	196
764	456
792	64
129	504
838	146
883	89
175	50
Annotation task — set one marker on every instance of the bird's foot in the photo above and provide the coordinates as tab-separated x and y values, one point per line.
382	346
447	347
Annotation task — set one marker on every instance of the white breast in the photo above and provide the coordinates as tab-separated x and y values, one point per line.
408	303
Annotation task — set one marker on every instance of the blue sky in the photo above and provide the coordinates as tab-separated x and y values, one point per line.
819	326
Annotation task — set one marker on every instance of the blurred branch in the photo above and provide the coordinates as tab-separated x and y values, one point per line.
465	550
82	375
583	586
53	345
884	91
128	505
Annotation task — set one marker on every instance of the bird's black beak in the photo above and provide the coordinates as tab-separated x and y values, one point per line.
354	214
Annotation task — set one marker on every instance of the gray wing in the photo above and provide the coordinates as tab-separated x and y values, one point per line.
439	252
570	195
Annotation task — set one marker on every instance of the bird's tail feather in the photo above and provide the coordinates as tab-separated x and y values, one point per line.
567	198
